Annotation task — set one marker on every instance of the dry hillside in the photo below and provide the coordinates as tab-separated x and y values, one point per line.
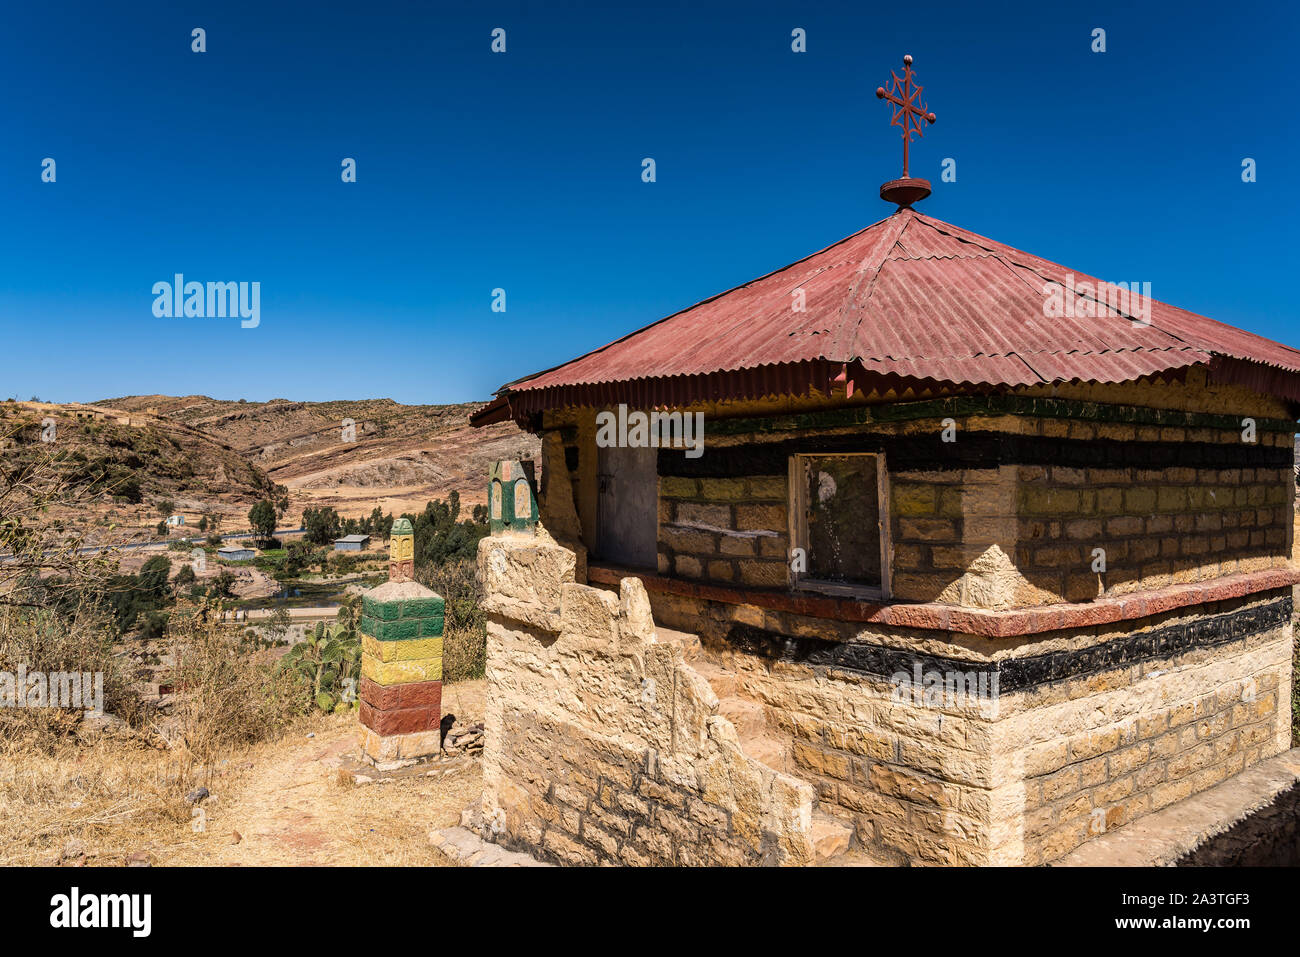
402	455
136	461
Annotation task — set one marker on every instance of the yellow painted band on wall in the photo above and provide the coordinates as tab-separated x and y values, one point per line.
401	672
410	650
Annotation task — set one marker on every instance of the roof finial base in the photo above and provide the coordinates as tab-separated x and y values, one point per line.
905	191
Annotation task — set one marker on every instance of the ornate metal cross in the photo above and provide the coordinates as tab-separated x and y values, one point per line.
902	93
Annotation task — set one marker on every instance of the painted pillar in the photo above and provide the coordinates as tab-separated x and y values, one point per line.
401	551
401	662
512	502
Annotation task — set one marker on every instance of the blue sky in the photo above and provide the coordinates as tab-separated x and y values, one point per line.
522	171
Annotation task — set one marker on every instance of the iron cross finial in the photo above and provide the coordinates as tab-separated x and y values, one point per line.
903	94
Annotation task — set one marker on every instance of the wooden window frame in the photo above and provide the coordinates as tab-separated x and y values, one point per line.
799	528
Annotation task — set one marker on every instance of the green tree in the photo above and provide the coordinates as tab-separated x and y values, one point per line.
278	624
153	577
322	525
441	536
223	586
130	596
262	518
298	556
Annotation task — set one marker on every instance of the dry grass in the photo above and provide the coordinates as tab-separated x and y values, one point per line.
42	640
231	695
283	798
113	797
464	640
464	652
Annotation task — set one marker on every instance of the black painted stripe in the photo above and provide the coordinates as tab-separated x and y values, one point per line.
974	450
1018	674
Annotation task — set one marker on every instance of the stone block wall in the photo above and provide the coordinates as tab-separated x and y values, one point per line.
602	745
726	530
1099	754
1008	514
1157	526
1090	728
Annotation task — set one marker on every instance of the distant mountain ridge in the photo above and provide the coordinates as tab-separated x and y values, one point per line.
351	454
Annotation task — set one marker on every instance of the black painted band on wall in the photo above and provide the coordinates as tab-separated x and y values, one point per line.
973	450
1017	674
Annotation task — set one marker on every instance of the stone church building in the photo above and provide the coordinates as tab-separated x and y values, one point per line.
976	560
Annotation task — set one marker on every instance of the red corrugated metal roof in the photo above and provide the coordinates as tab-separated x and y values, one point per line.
909	298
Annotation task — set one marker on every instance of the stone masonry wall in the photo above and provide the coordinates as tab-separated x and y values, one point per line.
1097	754
1042	768
727	530
603	746
1010	513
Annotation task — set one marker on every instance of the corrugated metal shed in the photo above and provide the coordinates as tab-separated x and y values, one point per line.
908	300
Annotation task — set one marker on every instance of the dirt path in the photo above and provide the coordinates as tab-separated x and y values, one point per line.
291	807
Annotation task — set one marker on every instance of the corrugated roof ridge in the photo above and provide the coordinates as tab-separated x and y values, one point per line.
844	349
851	351
913	257
719	295
992	245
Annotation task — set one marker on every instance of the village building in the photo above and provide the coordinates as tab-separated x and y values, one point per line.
176	521
351	543
235	553
976	560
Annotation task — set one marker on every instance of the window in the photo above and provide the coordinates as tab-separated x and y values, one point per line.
835	517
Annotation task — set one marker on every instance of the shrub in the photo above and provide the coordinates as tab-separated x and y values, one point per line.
229	695
327	664
464	638
47	640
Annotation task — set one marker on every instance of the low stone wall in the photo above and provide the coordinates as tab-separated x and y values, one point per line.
603	745
1251	819
1104	749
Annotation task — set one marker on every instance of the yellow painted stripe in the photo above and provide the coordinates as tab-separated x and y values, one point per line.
401	650
401	672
